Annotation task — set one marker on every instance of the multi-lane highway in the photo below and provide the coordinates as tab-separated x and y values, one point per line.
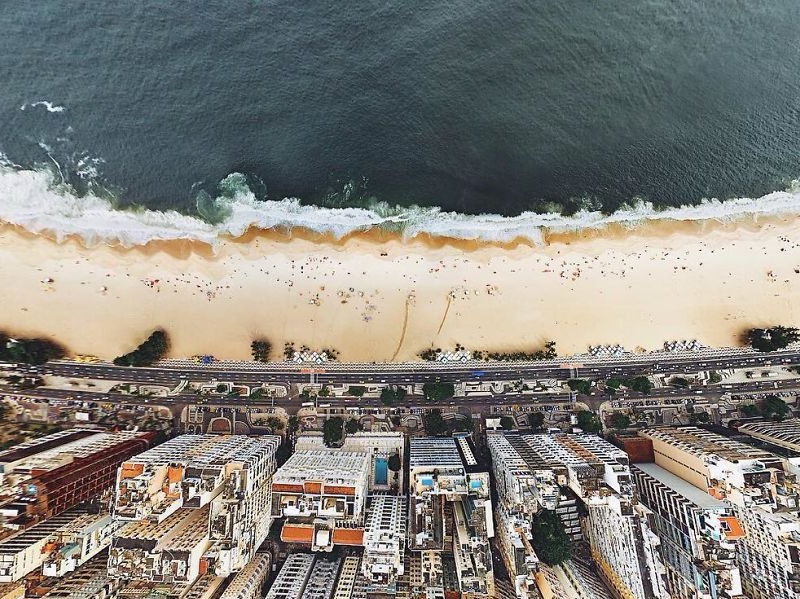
171	373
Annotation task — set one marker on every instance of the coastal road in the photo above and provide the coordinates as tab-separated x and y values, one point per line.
408	373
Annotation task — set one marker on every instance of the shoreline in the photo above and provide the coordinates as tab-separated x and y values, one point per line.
375	296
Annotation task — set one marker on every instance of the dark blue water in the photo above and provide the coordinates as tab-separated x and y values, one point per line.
472	105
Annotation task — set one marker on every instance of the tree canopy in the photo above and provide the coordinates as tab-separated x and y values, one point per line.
438	391
772	338
536	420
620	420
434	423
392	394
352	426
149	352
29	351
588	422
507	422
332	431
394	462
582	386
356	390
261	349
550	541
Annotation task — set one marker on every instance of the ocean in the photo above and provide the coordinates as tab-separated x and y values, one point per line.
125	121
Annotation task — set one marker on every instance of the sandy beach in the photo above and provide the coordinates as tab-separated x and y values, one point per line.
373	297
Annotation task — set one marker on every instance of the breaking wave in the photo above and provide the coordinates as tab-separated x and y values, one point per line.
40	203
49	106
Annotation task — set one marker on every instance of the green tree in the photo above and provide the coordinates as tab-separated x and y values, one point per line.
507	422
588	422
749	410
775	407
356	390
536	420
434	423
772	338
29	351
582	386
438	391
394	462
392	394
642	384
261	349
148	353
332	431
352	426
550	540
325	391
714	377
294	424
620	420
678	381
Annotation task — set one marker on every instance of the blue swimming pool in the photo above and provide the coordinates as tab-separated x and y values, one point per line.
381	471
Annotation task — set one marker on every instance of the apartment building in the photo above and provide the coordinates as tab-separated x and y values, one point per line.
195	504
785	434
699	535
28	550
292	578
617	527
380	446
384	542
89	581
45	477
321	494
247	583
762	490
447	471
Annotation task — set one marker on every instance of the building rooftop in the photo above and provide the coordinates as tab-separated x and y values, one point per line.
784	434
333	467
680	486
434	452
706	444
36	446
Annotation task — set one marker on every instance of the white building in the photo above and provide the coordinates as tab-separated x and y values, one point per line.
761	487
195	496
27	551
247	583
292	578
384	541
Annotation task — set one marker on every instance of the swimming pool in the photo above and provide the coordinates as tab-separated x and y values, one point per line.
381	471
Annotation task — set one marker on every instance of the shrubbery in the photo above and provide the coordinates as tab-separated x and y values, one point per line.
149	352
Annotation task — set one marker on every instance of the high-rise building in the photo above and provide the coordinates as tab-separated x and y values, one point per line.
47	476
247	582
785	434
30	549
761	488
292	578
384	542
322	495
194	504
617	526
698	533
448	470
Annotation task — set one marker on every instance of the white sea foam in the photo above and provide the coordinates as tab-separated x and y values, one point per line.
34	200
49	106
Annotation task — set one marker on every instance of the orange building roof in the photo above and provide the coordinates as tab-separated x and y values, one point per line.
297	533
734	527
336	490
348	536
287	488
312	486
131	470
